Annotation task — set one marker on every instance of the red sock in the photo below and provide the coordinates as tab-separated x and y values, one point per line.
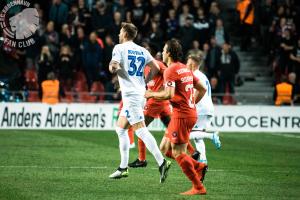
131	135
186	164
142	150
197	165
169	154
190	148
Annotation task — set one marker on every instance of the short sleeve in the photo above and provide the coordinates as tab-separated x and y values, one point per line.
116	54
148	57
169	78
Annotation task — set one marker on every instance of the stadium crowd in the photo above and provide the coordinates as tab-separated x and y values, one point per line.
76	37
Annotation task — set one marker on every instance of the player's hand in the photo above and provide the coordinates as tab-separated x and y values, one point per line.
148	94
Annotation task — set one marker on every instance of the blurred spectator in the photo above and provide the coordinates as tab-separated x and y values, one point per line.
85	13
214	14
215	89
92	57
187	34
51	38
120	6
79	42
184	15
65	65
296	87
295	57
202	27
246	12
76	18
101	19
108	47
140	16
286	48
58	13
220	34
155	35
51	90
65	37
45	64
229	66
195	50
212	57
283	92
171	24
116	26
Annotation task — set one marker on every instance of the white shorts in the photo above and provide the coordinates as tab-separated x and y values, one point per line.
133	108
203	122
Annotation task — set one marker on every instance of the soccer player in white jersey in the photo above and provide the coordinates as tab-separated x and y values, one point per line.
128	61
205	112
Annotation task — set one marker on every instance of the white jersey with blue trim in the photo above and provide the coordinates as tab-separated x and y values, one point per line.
132	59
205	106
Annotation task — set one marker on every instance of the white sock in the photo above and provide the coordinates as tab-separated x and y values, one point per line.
151	144
123	146
200	146
200	135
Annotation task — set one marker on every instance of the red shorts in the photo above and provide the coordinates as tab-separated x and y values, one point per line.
157	110
179	129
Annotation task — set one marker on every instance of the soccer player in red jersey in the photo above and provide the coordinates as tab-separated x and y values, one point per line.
179	84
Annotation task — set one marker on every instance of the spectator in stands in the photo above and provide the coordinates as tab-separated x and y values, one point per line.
101	19
214	14
51	38
187	34
184	15
76	18
85	14
66	36
172	24
296	87
283	92
295	57
220	33
65	66
212	57
228	67
286	48
92	58
195	50
116	26
80	41
246	12
108	47
202	27
155	35
58	13
215	90
120	7
45	64
140	16
51	91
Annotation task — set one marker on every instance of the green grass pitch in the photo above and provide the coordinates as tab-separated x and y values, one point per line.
76	164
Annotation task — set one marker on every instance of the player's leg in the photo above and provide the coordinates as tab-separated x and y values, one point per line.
179	136
122	131
142	132
131	137
199	132
141	160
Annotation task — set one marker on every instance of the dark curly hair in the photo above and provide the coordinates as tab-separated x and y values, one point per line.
175	49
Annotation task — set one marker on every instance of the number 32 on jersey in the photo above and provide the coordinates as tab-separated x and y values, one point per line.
136	65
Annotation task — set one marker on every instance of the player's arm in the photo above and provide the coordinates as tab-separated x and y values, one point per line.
165	94
114	66
154	69
200	90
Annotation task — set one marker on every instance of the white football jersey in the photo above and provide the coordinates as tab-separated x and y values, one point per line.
132	59
205	106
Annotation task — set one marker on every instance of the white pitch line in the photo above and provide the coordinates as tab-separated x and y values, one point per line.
105	167
52	167
286	135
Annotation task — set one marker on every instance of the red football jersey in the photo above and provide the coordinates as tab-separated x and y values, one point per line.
180	77
157	82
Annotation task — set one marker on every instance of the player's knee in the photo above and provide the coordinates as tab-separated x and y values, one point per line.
121	131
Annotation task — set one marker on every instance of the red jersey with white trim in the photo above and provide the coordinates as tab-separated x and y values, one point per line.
183	103
156	84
